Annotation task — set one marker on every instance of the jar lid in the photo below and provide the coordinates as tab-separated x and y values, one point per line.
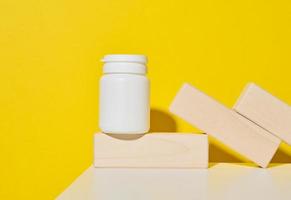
125	58
124	63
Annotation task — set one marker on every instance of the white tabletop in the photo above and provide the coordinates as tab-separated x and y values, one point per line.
220	181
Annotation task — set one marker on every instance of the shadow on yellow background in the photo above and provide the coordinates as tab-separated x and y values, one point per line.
49	71
163	122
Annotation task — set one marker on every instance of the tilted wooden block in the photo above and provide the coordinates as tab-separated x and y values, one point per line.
265	110
156	150
226	125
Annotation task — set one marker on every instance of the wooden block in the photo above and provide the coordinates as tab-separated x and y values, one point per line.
266	110
156	150
225	125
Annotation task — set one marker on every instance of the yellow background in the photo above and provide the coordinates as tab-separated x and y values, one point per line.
49	68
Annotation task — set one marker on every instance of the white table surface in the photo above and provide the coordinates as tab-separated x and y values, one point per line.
220	181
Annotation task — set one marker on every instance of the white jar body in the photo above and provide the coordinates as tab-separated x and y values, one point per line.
124	103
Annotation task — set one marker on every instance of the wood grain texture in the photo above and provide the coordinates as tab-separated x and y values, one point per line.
156	150
265	110
225	125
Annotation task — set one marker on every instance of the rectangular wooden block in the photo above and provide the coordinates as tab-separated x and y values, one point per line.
226	125
156	150
265	110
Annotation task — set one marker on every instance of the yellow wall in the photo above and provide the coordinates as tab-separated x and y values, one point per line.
49	70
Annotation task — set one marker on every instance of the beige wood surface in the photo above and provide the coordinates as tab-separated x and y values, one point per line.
226	125
156	150
265	110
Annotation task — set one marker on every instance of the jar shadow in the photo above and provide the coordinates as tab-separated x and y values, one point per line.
126	136
160	121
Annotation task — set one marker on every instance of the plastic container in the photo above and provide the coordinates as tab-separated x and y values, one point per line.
124	95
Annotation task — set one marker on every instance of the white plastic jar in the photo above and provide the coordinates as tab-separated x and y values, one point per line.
124	95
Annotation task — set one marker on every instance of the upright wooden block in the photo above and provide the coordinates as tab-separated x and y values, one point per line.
265	110
226	125
156	150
